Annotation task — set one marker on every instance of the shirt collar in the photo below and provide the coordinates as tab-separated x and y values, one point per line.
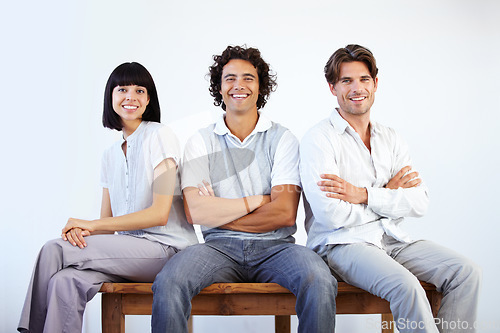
263	124
340	125
374	128
132	136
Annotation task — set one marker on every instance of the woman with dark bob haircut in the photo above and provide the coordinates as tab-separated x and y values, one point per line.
124	75
142	223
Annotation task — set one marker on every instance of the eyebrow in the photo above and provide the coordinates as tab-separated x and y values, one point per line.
350	78
234	75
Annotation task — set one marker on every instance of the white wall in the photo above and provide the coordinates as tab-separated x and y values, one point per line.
439	71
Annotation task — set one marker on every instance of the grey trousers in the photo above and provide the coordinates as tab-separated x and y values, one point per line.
66	277
392	273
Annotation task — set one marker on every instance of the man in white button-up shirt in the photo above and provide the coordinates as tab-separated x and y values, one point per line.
359	186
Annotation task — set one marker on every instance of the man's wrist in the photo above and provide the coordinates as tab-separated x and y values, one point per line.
364	195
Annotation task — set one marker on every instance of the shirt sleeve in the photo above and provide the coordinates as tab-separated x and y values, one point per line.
286	161
318	156
403	202
164	145
195	164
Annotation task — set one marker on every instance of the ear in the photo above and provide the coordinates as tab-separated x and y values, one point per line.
376	84
332	89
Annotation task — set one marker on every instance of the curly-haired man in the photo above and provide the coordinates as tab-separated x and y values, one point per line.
241	183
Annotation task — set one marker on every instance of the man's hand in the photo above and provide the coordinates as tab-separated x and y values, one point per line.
404	178
338	188
205	189
75	230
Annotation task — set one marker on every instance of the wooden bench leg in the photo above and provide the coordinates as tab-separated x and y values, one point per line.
282	324
113	319
387	323
190	324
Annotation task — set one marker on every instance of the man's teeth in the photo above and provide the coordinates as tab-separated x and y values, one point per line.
129	107
240	96
357	98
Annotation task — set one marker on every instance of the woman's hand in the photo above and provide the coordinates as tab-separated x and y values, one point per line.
75	230
75	237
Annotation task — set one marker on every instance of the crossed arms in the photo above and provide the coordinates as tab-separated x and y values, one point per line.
344	191
256	214
338	188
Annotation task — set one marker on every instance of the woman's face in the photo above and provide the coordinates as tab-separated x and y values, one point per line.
130	102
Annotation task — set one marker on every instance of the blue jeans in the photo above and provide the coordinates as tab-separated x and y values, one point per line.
294	267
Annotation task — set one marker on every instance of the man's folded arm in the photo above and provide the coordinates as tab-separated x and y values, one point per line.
212	211
405	194
318	157
280	212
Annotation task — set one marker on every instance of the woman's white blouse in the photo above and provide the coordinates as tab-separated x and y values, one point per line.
129	180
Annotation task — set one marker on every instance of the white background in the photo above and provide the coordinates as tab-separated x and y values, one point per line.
438	86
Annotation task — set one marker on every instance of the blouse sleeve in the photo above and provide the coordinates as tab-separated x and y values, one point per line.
163	146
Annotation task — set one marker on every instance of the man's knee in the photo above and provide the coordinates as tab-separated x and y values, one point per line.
318	278
324	284
168	279
175	275
469	272
403	287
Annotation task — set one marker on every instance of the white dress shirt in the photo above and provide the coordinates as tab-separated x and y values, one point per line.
333	147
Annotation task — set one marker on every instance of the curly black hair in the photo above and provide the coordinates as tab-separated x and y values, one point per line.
267	78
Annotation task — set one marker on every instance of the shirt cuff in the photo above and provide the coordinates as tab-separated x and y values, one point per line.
376	198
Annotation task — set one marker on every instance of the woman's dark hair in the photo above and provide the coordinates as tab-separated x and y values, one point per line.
127	74
267	79
350	53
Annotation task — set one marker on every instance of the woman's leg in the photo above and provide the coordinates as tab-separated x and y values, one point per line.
110	257
69	291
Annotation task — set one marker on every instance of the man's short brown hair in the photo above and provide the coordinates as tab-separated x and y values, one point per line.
350	53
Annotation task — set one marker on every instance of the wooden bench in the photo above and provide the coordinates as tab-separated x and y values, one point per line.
226	299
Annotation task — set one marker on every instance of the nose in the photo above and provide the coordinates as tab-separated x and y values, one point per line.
356	86
131	95
238	84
